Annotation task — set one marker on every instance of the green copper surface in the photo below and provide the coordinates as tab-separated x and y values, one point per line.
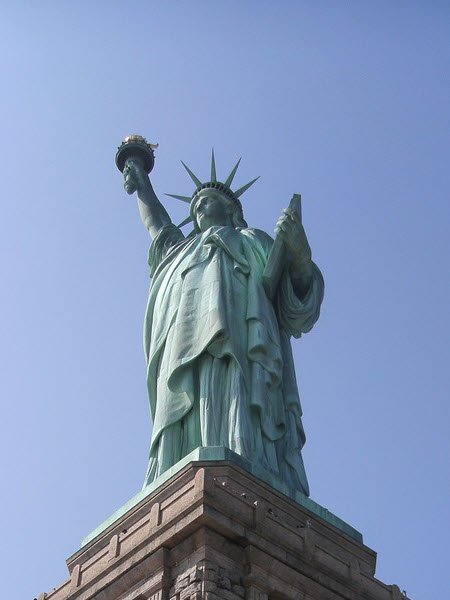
220	371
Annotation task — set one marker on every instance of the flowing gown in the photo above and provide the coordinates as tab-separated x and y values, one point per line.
219	362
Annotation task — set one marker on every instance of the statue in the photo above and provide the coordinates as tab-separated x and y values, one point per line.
220	370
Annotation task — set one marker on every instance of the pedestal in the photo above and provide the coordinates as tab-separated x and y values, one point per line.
214	531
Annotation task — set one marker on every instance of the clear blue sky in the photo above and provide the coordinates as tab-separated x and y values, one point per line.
345	102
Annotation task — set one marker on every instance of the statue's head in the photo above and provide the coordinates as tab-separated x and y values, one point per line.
211	206
214	202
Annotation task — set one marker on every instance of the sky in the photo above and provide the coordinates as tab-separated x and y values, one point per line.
345	102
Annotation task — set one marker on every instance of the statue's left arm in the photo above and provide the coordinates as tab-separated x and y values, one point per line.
301	286
290	229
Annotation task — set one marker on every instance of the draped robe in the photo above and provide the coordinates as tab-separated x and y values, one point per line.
220	370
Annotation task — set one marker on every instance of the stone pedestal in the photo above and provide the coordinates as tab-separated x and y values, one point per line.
214	531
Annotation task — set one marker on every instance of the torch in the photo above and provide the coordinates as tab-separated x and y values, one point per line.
135	147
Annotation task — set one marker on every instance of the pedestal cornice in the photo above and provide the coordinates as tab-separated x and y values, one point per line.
215	531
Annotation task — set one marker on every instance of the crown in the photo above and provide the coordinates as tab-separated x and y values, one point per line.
214	184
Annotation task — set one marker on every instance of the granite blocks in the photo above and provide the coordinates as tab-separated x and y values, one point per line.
215	532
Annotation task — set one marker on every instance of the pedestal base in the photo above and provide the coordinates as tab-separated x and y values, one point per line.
214	531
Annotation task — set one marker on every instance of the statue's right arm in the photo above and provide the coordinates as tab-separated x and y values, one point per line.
153	214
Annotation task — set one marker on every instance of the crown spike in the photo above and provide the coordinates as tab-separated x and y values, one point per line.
185	222
230	177
245	187
194	178
213	167
183	198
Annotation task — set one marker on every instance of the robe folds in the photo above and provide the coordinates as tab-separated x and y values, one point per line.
220	370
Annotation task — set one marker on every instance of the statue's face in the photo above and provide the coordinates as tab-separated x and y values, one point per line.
212	208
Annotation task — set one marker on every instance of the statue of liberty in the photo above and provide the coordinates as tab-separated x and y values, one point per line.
220	370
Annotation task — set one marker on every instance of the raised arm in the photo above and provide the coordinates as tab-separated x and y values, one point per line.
153	214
